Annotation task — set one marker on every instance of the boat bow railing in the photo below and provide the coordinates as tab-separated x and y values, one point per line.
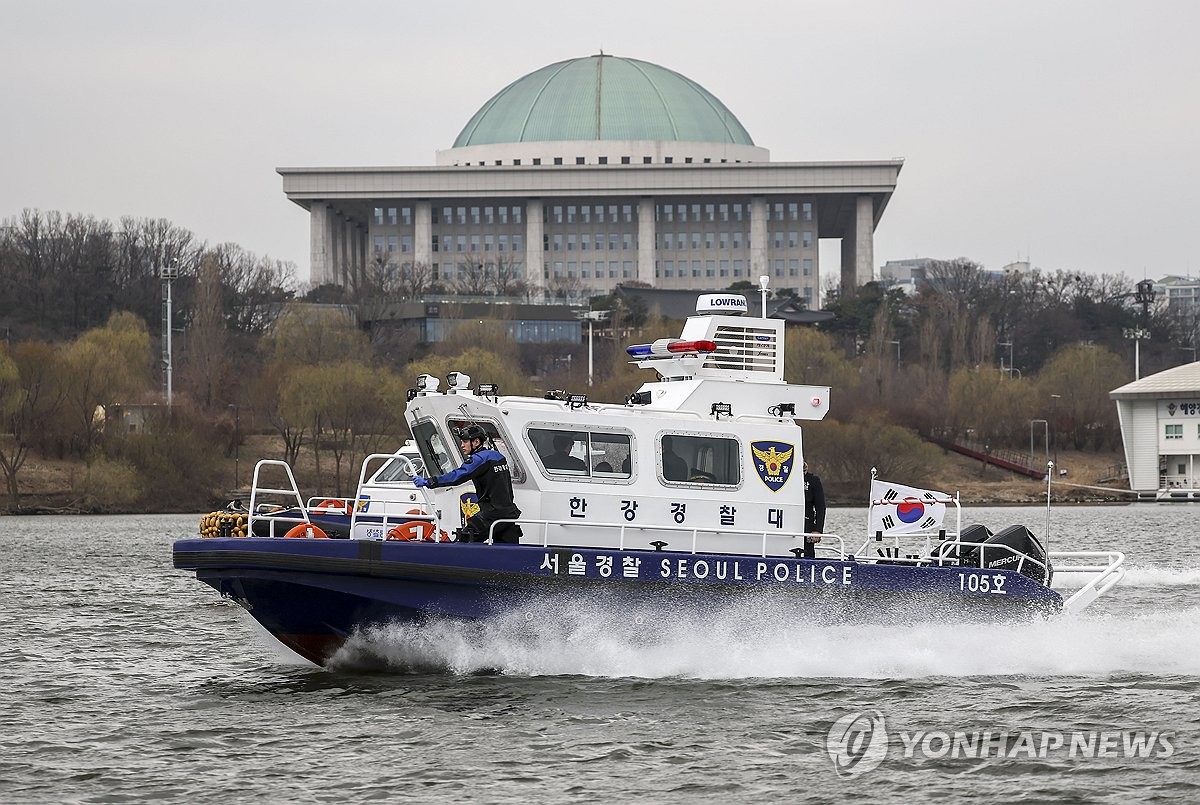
292	491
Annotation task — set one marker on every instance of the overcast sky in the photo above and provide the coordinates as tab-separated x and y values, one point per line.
1066	132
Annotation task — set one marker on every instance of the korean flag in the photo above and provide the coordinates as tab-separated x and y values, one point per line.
899	509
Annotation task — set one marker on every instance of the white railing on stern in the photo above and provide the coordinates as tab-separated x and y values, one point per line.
1106	575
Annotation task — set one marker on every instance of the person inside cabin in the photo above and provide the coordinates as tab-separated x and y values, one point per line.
561	458
488	469
674	467
814	512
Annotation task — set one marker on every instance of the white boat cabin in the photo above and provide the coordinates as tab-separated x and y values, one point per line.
707	457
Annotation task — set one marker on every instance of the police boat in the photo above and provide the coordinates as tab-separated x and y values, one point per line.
689	494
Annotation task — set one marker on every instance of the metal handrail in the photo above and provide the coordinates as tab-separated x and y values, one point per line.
293	491
623	527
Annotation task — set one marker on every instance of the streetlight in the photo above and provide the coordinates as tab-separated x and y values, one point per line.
168	273
1010	357
237	442
1054	398
592	317
1144	296
1045	437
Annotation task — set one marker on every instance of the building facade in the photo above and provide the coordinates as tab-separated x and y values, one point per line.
593	172
1160	427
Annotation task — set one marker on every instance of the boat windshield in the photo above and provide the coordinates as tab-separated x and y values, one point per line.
400	469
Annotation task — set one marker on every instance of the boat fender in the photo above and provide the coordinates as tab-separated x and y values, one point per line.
305	531
223	524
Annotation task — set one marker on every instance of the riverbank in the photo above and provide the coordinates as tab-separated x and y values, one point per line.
51	487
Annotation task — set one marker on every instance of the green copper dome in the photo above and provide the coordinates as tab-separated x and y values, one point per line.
603	98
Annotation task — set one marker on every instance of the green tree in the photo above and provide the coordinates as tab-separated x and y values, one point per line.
1082	375
106	365
38	393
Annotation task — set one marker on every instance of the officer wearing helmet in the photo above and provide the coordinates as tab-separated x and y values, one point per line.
488	469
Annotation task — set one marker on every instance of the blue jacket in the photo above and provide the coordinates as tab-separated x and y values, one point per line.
493	483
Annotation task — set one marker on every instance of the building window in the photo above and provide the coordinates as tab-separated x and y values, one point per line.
695	268
613	242
570	243
793	239
627	269
779	268
406	243
808	266
379	243
710	268
558	161
793	211
627	240
737	212
645	160
435	243
793	267
518	242
379	216
1175	431
807	240
669	268
669	160
724	268
516	215
624	160
777	240
537	160
723	241
489	243
807	210
474	243
570	213
580	161
737	240
558	243
602	160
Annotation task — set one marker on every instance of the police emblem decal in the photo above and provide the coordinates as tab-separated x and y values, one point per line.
773	462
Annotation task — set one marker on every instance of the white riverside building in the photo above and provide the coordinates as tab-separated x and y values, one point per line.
593	172
1160	426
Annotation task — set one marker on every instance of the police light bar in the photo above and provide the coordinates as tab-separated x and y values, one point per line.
669	346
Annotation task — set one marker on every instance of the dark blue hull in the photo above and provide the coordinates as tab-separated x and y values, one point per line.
312	594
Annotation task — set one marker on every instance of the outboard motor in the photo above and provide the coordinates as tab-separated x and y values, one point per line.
1022	541
951	553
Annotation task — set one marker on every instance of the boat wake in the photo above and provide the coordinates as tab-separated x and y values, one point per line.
740	644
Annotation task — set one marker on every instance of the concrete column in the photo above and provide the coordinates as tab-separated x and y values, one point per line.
645	241
337	235
319	240
357	256
759	264
858	248
423	233
346	252
534	256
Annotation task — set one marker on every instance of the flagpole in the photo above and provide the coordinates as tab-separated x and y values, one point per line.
1049	475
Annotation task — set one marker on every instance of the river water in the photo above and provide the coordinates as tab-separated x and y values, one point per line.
126	680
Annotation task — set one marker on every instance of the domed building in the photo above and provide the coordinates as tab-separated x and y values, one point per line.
588	173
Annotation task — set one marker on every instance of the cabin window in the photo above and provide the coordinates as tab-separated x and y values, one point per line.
564	452
433	448
700	459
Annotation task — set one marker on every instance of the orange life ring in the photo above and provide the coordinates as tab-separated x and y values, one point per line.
302	531
333	506
413	531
